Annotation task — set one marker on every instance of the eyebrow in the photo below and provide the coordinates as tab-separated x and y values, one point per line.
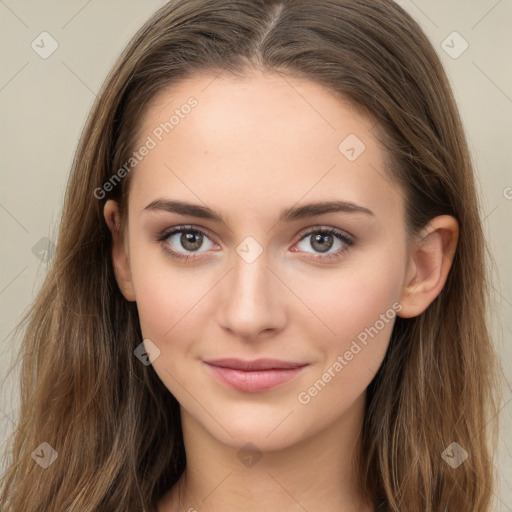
291	214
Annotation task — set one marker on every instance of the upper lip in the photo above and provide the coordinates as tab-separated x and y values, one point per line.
256	364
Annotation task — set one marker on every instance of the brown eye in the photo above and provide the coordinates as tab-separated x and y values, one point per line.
191	240
322	242
184	242
319	242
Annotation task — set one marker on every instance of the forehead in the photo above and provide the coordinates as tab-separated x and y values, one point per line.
263	137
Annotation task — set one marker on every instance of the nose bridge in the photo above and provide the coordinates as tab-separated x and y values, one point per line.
250	279
251	302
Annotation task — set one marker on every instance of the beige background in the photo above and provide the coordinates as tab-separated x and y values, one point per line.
44	104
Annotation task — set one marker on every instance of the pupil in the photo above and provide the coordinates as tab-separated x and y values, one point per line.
324	241
191	240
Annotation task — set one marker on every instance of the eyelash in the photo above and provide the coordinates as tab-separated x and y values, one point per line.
340	235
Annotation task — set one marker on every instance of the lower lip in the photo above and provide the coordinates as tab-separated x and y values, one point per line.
256	380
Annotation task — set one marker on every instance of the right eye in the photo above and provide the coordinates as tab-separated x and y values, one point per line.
182	242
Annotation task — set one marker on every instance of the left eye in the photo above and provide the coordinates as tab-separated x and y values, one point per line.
323	240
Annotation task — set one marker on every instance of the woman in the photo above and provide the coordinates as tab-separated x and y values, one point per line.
269	285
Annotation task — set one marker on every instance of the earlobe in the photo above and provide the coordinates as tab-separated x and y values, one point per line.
119	257
430	260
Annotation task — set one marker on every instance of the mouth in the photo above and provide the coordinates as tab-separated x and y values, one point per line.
254	376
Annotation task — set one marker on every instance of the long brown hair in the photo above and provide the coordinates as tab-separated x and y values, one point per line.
115	426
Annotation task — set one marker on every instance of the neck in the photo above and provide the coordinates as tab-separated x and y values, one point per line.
318	473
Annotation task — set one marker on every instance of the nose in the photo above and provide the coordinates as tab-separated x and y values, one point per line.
253	300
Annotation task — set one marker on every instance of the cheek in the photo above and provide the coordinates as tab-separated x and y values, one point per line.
168	303
346	300
337	385
354	316
166	295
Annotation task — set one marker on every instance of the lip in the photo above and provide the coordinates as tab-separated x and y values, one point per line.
263	363
254	376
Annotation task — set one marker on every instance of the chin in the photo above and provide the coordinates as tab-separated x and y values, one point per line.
265	433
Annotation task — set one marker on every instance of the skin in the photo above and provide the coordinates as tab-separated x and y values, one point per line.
251	148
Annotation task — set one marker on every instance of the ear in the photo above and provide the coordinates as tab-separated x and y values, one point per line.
430	259
120	259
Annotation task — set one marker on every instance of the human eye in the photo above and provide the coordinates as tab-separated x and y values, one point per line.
190	238
324	240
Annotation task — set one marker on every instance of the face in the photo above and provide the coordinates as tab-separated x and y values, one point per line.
252	272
